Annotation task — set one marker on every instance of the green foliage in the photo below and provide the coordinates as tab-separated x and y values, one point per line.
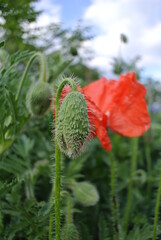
2	44
103	230
69	232
120	66
143	233
15	16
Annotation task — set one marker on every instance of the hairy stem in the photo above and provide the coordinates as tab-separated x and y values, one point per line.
43	71
51	214
69	210
157	209
134	145
114	199
58	164
57	191
148	160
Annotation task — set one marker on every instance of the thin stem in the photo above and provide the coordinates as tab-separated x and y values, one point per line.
157	209
12	108
134	145
58	95
69	208
29	188
43	71
114	200
58	164
57	191
51	215
148	160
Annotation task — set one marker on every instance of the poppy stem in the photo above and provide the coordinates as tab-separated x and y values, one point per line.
69	210
114	199
149	165
134	145
56	186
43	71
157	209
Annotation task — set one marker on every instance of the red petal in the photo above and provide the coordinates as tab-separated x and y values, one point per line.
98	122
101	92
123	102
103	137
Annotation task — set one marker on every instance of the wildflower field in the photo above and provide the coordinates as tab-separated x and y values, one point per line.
80	153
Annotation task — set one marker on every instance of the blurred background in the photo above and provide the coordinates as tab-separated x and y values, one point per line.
24	23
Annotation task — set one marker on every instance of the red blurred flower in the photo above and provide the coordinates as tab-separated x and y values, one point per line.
118	105
123	105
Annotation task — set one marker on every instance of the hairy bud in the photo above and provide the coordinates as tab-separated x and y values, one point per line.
72	128
86	193
39	98
69	232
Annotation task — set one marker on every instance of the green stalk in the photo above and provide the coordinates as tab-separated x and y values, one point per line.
57	190
69	208
157	209
43	71
56	187
134	145
114	200
51	214
149	165
29	188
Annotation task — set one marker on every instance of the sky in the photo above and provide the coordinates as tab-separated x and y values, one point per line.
139	20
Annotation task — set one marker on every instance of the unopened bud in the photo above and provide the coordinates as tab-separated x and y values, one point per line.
73	51
39	98
72	128
86	193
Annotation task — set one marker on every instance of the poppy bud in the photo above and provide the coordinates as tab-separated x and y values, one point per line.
123	38
85	193
69	232
73	51
139	177
39	98
72	127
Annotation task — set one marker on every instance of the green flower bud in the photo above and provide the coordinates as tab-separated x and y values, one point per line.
123	38
73	51
139	177
86	193
72	128
69	232
39	98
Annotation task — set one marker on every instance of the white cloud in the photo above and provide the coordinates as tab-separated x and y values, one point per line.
50	14
139	20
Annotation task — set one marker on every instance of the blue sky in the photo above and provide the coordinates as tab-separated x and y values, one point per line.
139	20
72	10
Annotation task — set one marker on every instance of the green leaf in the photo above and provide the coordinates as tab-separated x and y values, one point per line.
103	230
2	44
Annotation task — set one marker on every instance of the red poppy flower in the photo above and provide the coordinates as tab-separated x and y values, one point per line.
121	105
118	105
